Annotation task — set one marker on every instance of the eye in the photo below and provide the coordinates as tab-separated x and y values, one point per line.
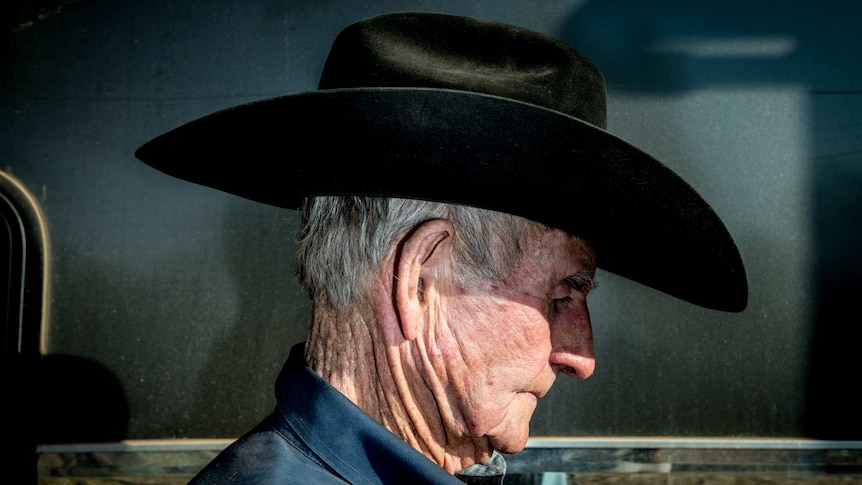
558	305
573	286
561	295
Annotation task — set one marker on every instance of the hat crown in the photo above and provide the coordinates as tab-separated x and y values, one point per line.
451	52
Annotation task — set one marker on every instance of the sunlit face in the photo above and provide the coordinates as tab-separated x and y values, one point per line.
503	343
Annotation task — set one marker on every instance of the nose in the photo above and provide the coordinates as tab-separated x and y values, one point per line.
572	350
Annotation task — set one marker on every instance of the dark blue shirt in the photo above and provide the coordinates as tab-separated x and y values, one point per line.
316	435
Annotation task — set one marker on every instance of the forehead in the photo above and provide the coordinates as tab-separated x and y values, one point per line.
552	255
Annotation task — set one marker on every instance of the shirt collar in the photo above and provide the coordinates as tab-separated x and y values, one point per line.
490	473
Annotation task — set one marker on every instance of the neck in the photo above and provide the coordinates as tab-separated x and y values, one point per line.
389	383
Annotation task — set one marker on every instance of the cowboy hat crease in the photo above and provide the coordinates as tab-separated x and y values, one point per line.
468	111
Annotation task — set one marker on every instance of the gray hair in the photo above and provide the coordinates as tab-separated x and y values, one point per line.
344	239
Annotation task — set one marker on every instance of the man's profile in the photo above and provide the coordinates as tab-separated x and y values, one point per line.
458	192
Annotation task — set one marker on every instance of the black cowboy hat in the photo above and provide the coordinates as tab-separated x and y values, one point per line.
467	111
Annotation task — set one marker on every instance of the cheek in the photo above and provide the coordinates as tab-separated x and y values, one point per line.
522	329
501	343
517	346
502	349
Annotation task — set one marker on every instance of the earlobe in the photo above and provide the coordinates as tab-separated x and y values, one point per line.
425	248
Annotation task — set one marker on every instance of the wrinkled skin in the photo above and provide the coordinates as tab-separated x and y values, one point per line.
455	369
500	345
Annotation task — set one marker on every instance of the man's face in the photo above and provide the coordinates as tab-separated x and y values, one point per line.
503	343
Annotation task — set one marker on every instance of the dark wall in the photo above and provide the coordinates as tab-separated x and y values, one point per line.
178	303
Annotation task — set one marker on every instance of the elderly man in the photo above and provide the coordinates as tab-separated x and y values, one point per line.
457	191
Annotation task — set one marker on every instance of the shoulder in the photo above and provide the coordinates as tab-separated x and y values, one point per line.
266	455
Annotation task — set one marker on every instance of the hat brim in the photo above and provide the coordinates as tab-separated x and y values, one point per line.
645	222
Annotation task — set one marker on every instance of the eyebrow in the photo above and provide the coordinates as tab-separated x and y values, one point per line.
582	282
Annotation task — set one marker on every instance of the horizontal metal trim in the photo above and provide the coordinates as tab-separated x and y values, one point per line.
694	443
535	443
138	446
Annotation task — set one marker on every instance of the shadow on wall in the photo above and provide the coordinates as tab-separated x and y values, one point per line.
271	313
79	401
670	48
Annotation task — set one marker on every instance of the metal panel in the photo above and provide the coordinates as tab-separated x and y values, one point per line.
181	300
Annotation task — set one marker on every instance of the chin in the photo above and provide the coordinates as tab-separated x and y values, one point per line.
514	433
513	439
511	444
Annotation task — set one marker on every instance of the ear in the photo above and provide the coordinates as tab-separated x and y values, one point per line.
422	254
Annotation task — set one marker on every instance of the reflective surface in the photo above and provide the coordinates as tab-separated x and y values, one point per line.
177	304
